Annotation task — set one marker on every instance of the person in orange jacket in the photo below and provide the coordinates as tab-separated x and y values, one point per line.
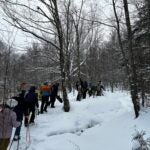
45	92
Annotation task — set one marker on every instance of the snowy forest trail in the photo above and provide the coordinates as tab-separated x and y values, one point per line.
94	123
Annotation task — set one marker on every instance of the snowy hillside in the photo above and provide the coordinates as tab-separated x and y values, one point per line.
100	123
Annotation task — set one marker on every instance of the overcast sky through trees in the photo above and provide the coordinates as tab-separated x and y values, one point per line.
23	40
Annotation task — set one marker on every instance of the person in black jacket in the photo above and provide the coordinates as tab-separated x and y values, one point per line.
19	110
53	95
100	89
84	86
31	101
79	89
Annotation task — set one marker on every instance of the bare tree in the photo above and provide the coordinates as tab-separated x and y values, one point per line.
42	22
133	84
129	62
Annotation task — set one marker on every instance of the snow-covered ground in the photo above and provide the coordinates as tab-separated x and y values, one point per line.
100	123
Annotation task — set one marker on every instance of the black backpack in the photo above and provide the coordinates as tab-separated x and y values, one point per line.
29	97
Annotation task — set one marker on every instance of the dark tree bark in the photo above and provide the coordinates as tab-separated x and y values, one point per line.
62	57
37	29
129	63
133	73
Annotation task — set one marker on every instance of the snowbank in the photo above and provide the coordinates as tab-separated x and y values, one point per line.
100	123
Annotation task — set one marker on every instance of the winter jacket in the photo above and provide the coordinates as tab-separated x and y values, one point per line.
20	108
85	85
31	100
55	89
38	94
7	122
100	89
31	97
45	90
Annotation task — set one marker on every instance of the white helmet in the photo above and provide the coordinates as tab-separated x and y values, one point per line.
11	103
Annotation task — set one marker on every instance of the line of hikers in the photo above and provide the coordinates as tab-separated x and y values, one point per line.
93	90
24	106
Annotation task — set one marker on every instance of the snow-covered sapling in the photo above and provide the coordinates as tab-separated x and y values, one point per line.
139	143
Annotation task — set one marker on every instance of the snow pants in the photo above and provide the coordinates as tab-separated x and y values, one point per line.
30	109
18	129
44	103
4	144
53	99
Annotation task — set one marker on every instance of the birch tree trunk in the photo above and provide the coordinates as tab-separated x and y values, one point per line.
62	57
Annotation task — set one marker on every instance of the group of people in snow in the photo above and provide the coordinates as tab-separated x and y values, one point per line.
93	90
25	106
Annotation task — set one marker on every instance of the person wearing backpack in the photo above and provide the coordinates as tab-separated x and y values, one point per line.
7	122
31	101
20	111
100	89
79	89
54	94
45	92
84	86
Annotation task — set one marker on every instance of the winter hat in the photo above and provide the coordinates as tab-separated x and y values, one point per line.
45	83
11	103
32	88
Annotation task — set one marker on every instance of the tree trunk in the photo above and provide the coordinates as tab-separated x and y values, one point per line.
133	76
78	51
62	59
112	86
69	81
130	67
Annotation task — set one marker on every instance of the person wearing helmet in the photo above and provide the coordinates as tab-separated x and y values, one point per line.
7	122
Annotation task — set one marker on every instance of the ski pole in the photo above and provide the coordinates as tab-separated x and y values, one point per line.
28	140
36	114
18	144
28	130
11	140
